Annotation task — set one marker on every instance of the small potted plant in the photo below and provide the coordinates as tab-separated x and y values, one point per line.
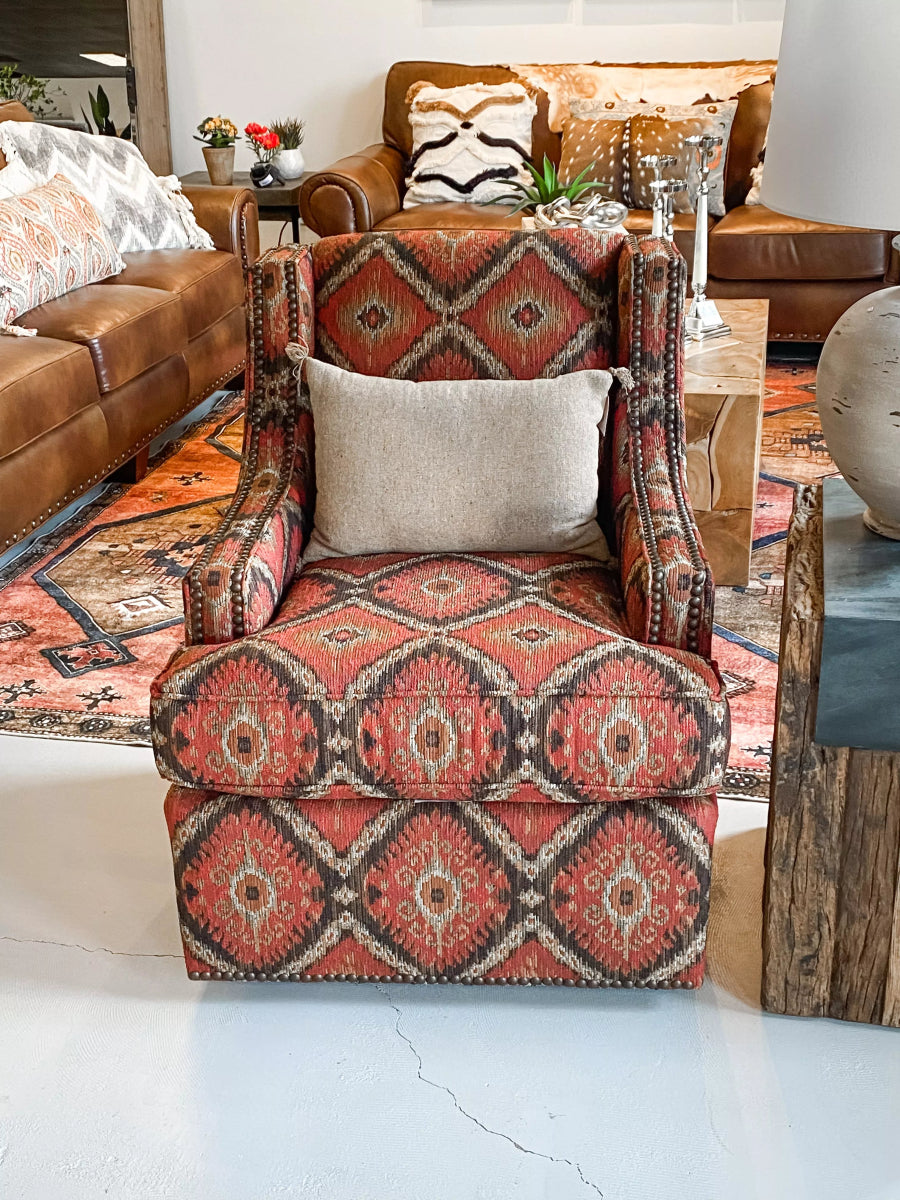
553	203
218	135
290	156
265	145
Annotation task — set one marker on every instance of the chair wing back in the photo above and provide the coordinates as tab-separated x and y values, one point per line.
484	304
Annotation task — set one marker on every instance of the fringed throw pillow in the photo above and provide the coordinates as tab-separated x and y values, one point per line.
51	242
469	142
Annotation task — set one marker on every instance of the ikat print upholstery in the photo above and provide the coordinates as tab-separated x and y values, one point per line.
616	136
465	464
593	895
469	142
140	211
451	767
51	242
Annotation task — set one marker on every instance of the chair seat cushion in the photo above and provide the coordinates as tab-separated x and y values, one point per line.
209	282
127	329
753	242
445	677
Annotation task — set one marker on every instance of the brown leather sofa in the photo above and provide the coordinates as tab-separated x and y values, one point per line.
810	273
115	363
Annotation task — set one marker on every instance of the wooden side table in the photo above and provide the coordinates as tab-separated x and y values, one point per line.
724	384
275	203
831	919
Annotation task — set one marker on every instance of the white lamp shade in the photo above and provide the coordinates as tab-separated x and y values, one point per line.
833	153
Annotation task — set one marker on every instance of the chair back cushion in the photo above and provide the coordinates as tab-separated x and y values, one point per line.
474	304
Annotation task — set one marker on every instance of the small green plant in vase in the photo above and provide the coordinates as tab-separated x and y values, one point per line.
218	135
547	187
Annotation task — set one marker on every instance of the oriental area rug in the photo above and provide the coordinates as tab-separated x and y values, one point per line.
90	614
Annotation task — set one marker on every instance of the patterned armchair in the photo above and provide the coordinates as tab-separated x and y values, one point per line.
471	768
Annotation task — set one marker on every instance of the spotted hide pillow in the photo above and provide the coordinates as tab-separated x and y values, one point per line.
469	142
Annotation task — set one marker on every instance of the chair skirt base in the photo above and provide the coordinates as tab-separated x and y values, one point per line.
579	895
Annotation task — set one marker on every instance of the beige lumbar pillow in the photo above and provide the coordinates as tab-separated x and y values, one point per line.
456	465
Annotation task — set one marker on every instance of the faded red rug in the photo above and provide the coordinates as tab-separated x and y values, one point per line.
89	616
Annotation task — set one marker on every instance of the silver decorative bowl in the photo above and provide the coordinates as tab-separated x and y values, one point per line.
595	213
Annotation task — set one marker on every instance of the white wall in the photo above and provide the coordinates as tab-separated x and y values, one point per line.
325	60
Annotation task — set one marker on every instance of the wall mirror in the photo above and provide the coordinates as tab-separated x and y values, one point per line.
95	65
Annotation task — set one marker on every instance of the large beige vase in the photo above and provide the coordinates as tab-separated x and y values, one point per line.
858	396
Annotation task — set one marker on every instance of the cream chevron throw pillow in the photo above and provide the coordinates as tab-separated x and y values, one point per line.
135	206
469	142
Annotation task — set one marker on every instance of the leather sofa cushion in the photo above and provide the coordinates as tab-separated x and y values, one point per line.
752	242
43	382
127	329
209	282
453	216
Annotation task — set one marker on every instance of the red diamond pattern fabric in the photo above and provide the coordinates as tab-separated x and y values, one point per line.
600	894
445	677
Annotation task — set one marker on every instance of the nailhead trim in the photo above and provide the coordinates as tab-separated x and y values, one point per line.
465	980
674	422
129	453
638	483
249	466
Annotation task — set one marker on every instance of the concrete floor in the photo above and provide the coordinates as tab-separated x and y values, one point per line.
120	1078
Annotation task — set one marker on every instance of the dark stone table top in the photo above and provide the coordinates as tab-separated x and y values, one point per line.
859	682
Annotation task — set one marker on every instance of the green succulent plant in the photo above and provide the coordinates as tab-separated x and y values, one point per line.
547	187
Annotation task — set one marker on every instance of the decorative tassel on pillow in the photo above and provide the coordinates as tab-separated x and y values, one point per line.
199	238
16	331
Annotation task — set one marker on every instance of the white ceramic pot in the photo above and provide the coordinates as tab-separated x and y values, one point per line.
290	163
858	396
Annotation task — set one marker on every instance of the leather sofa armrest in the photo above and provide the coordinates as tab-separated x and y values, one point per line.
231	216
356	193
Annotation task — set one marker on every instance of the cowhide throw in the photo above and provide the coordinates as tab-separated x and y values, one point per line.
469	142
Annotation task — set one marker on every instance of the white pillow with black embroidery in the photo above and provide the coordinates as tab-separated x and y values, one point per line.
469	143
140	211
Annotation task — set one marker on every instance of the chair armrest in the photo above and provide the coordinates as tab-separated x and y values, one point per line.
666	580
231	216
356	193
238	582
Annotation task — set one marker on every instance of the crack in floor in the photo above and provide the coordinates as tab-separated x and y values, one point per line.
440	1087
86	949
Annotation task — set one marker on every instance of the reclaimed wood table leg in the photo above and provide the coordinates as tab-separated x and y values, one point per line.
831	920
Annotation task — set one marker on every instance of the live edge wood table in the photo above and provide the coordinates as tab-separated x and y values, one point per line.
724	385
831	919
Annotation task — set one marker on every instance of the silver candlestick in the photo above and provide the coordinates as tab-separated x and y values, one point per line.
664	196
658	163
704	319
